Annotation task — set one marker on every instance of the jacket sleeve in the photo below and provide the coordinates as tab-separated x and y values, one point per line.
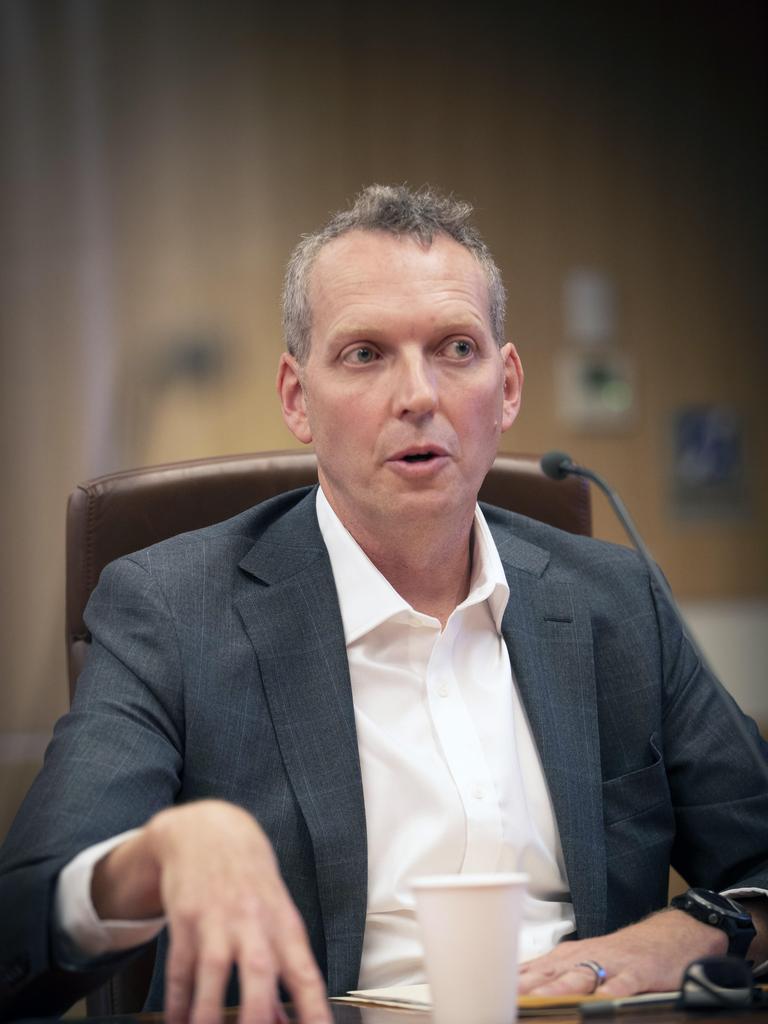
717	767
115	759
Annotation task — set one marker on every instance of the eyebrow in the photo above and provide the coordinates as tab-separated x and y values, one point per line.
371	331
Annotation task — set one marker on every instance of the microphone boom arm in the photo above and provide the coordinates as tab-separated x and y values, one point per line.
626	520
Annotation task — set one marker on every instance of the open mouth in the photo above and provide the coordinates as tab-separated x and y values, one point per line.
420	457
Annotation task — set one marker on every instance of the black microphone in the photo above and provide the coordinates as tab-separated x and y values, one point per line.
559	465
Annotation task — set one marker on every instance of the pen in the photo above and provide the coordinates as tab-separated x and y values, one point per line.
607	1007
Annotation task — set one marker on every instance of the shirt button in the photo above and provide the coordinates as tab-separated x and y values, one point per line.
443	690
478	792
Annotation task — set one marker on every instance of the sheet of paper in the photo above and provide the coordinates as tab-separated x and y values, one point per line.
397	995
417	997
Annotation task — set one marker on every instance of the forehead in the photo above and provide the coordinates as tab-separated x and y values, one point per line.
373	272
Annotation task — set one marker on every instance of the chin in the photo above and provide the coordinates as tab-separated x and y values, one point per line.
433	502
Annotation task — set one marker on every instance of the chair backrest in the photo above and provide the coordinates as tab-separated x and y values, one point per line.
119	513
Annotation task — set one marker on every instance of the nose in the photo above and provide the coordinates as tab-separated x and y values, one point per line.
415	392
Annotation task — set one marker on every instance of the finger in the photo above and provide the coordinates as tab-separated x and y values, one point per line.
257	974
301	975
214	964
529	977
179	976
552	963
625	983
574	981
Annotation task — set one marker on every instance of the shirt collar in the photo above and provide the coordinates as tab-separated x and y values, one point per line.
367	598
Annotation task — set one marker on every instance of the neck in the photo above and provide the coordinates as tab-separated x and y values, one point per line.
429	563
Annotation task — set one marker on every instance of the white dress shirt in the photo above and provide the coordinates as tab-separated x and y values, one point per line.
451	776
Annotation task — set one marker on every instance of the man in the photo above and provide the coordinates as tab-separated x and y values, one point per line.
287	716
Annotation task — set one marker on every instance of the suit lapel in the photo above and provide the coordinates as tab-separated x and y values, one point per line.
292	617
548	633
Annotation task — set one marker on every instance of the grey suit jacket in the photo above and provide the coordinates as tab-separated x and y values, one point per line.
218	669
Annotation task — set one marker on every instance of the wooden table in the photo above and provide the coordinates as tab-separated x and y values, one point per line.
344	1013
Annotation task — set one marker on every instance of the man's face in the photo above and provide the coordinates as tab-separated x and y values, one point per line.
405	392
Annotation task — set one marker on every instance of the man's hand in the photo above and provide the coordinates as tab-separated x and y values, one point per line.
209	868
646	957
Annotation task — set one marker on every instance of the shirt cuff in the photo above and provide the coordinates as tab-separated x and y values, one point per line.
81	935
757	969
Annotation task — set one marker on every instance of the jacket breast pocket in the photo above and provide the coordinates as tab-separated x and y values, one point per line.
644	791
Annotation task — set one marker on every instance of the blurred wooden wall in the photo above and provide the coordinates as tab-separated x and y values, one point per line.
160	159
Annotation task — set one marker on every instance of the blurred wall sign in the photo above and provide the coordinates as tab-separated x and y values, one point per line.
595	389
708	474
594	380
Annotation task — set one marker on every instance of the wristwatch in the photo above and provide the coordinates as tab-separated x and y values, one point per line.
721	912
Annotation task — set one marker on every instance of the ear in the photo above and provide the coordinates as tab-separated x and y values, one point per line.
292	398
513	385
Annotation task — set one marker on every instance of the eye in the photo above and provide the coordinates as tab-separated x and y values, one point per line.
360	355
459	348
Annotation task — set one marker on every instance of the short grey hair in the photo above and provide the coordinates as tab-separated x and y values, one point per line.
398	210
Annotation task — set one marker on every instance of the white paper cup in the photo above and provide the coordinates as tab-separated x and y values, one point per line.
469	927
